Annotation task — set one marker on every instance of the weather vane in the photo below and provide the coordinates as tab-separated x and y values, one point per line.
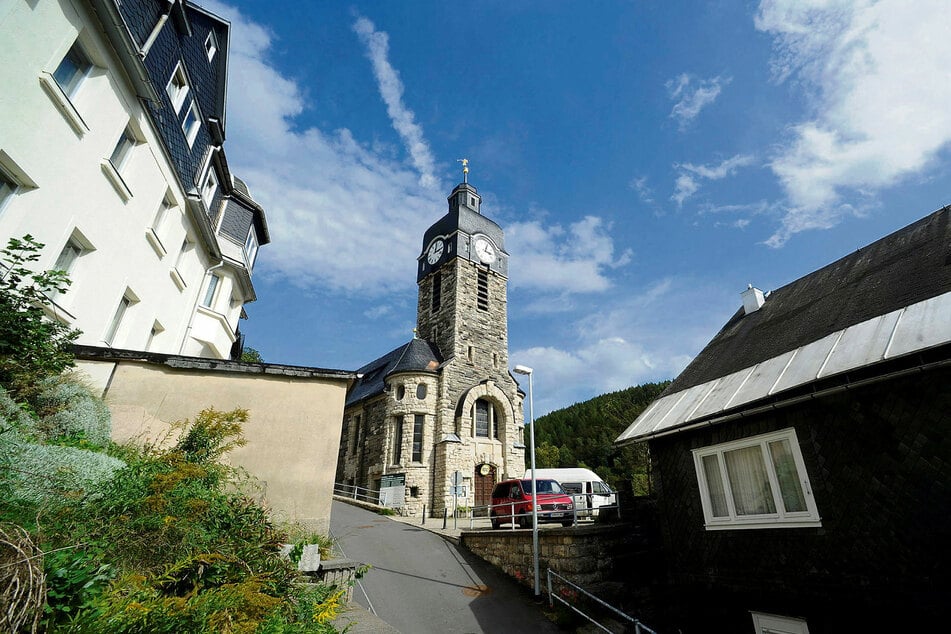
465	169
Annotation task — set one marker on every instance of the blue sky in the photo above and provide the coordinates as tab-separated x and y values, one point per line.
647	160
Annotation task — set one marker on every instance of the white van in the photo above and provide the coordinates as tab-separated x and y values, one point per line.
586	488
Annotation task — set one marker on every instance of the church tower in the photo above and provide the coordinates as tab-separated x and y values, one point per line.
438	421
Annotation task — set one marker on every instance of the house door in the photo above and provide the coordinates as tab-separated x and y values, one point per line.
483	482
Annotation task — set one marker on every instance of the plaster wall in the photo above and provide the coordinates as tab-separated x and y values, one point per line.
293	430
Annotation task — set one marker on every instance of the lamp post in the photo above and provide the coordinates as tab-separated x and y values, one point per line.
521	369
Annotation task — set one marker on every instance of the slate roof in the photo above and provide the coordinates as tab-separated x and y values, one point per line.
855	317
416	355
898	270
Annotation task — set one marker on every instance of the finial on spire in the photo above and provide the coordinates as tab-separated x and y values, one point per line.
465	169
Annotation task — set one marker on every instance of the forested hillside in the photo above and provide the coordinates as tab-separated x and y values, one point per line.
583	434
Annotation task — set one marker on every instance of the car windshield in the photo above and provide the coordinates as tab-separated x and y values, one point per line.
543	486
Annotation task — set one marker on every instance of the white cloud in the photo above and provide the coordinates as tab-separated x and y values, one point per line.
559	260
639	184
880	83
687	183
391	89
693	97
625	341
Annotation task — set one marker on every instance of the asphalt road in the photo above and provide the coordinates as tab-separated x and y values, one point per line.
422	583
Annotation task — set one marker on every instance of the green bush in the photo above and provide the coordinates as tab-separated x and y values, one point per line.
172	545
68	410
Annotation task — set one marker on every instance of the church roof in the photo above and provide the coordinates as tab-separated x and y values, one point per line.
417	355
884	300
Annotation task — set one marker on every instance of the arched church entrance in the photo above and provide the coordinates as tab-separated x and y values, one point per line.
482	483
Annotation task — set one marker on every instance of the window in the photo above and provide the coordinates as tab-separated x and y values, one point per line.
213	282
180	271
418	420
421	391
156	232
437	291
209	187
482	294
482	419
400	392
251	248
124	304
177	88
773	624
757	482
156	330
191	122
211	45
397	440
8	187
68	256
72	70
120	155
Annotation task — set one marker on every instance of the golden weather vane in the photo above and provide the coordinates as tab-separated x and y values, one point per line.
465	169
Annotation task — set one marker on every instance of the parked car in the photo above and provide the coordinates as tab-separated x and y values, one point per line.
586	488
515	498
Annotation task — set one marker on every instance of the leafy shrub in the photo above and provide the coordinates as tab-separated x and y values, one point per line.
45	475
172	545
69	410
32	347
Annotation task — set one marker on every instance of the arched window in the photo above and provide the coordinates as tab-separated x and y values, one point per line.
400	392
421	391
486	419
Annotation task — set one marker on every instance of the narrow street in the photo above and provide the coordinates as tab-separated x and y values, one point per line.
421	583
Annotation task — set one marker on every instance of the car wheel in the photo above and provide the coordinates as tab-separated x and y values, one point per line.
496	523
524	522
567	524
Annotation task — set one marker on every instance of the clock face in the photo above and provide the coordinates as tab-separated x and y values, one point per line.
435	251
484	250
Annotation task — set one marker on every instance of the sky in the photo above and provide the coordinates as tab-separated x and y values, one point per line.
647	160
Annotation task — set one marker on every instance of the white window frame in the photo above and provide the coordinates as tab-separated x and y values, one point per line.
211	291
772	623
156	231
81	66
211	45
779	519
177	88
208	187
123	150
9	187
251	248
192	122
125	303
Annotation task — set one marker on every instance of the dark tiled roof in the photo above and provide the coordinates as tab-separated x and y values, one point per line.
415	356
908	266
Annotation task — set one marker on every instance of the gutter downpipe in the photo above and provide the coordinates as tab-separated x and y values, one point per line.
144	51
921	367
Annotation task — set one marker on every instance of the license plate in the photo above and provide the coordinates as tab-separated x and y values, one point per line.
556	515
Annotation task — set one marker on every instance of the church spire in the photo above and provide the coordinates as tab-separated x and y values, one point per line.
465	169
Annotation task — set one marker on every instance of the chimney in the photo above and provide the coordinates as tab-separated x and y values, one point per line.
753	299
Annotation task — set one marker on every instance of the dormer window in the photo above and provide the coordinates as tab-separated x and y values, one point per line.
177	88
191	122
251	248
209	187
211	45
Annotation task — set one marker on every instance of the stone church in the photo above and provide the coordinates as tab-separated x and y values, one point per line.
444	404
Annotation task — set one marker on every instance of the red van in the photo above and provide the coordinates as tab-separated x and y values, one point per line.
515	498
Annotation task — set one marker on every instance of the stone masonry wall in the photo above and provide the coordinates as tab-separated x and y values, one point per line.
584	555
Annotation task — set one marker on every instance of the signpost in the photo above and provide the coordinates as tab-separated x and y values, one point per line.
457	479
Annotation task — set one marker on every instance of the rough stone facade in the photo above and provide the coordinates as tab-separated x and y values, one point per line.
465	327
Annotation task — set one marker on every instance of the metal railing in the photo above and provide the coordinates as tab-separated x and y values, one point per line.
355	492
639	628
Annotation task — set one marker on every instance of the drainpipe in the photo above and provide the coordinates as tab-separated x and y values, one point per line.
191	320
155	31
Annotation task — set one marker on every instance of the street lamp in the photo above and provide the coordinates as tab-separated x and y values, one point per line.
522	369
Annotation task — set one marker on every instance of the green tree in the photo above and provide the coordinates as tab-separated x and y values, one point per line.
32	345
250	355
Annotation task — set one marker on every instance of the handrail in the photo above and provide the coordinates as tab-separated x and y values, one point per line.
639	627
354	492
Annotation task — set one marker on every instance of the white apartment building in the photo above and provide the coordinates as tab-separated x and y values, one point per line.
112	122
